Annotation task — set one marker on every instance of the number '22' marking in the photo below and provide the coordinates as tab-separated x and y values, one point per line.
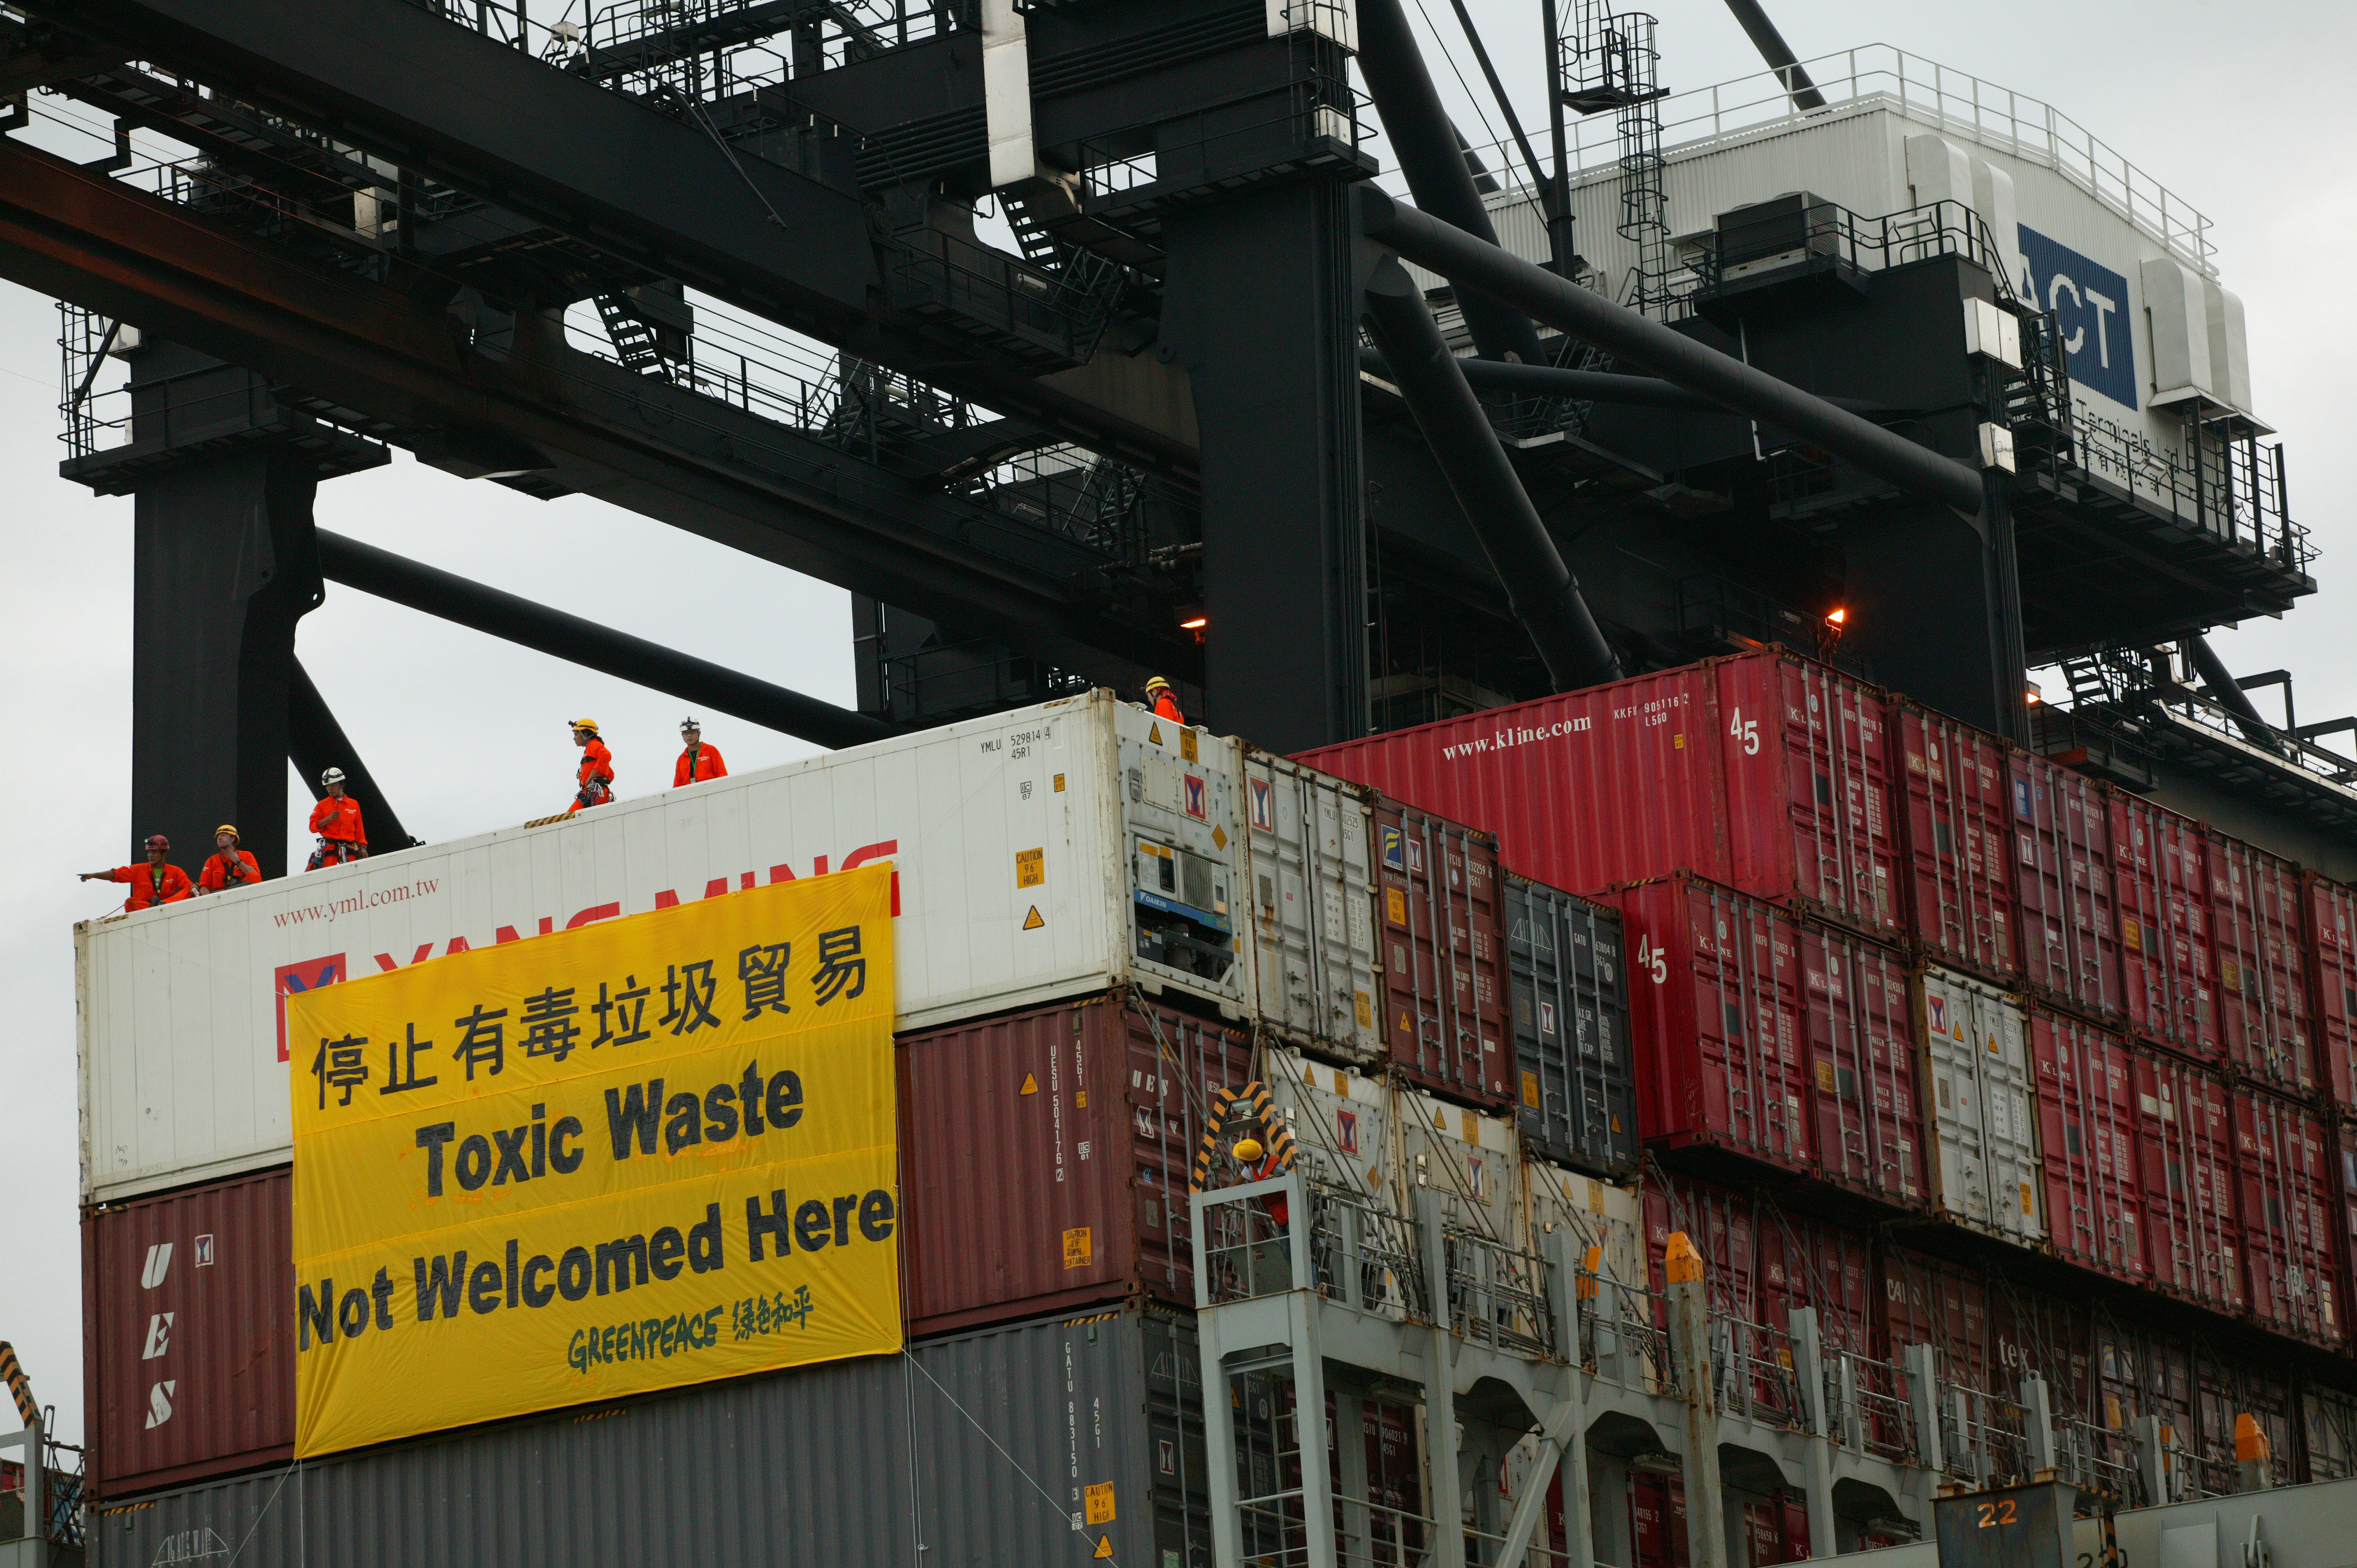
1999	1512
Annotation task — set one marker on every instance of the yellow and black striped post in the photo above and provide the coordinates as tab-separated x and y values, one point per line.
19	1384
1254	1095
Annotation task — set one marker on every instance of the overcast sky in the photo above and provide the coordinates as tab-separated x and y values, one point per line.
2235	108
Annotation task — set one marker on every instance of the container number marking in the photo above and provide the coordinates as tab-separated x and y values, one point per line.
1996	1515
1746	731
1030	868
1649	958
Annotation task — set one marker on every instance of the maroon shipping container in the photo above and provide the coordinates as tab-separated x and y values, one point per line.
188	1304
2344	1207
2290	1192
1957	839
1928	1301
2089	1135
2161	880
1779	1040
1759	1262
2068	929
1764	771
2051	1335
2256	925
2193	1240
2330	908
1045	1155
1447	1009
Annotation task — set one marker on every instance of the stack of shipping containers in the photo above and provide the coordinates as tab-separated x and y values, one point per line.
1888	970
1102	921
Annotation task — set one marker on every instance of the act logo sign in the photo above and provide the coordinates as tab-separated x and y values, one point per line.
2090	303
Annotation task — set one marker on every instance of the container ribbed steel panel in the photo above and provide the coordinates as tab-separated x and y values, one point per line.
2193	1239
2090	1142
1309	887
2331	954
1766	1036
1765	771
2289	1183
1045	1161
1029	1444
1440	895
2160	864
1923	1300
2069	930
1980	1098
1760	1261
189	1334
1577	1088
2258	929
1954	833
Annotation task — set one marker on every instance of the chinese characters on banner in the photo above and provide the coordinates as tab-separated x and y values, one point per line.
650	1152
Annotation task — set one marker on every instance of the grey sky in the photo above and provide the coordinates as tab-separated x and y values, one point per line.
2237	108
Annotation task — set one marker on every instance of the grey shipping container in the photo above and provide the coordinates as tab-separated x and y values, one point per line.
1575	1090
1065	1441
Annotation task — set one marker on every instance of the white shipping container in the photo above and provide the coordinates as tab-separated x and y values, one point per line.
1040	854
1599	1214
1982	1103
1309	883
1386	1141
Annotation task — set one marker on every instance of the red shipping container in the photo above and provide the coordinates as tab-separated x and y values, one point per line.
2330	908
1045	1161
1759	1262
2161	879
1929	1301
2290	1187
1773	1039
1447	1010
1957	839
1657	1519
2090	1132
2068	929
1764	771
2256	925
188	1304
2186	1139
2344	1206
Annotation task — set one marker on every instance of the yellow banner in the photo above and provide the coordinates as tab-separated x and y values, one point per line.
650	1152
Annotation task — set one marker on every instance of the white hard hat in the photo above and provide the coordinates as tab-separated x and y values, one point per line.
332	775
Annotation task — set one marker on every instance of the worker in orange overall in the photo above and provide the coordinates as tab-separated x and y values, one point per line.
152	884
699	761
1160	699
596	775
229	867
337	820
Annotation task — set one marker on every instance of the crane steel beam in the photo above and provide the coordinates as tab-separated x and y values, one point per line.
586	643
1544	593
581	422
1427	146
1591	386
1470	262
1777	53
793	245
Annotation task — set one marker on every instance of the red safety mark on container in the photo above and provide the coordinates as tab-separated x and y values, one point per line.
2089	1139
2161	882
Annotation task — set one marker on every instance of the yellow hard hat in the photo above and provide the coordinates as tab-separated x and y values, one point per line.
589	724
1248	1149
229	828
1157	683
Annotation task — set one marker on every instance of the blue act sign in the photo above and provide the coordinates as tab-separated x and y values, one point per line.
2090	303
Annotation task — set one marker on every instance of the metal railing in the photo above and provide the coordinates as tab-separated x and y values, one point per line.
1868	1406
1828	231
2223	482
1878	76
1498	1295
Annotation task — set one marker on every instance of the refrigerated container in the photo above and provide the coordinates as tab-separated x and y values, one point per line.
2068	925
1446	1020
1764	770
187	1302
1051	852
1055	1441
2090	1142
1045	1156
1955	836
1980	1101
1766	1036
1309	887
2161	879
2257	926
2289	1196
2193	1239
1576	1083
2330	950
